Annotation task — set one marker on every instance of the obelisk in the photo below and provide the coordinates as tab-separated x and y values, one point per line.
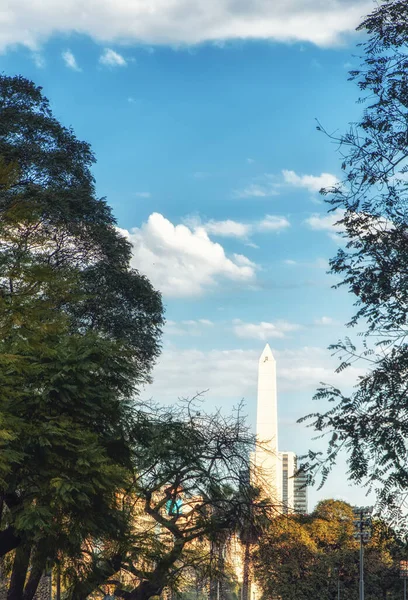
266	455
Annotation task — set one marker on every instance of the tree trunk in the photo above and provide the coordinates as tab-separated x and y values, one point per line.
213	586
222	595
30	589
58	581
19	573
144	591
247	572
8	541
97	577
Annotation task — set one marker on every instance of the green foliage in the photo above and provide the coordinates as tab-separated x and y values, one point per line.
310	556
371	424
52	197
79	332
196	461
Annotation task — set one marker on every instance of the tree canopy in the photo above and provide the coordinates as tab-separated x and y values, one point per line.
79	332
370	204
302	556
188	491
53	187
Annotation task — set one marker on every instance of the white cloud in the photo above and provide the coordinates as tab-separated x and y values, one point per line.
326	222
256	190
228	228
110	58
312	183
319	263
322	22
264	330
70	60
324	321
240	259
39	60
188	327
184	372
182	261
273	223
142	194
206	322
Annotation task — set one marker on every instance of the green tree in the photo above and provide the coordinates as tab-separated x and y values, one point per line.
371	424
187	493
66	425
254	522
53	178
285	560
79	332
314	555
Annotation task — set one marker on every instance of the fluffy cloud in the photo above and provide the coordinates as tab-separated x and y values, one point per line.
228	228
256	190
321	22
70	60
309	182
182	261
318	263
189	327
264	330
110	58
273	223
38	59
326	222
324	321
240	230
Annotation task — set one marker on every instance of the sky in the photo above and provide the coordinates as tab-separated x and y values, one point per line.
202	115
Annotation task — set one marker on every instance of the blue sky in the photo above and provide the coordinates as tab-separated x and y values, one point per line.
202	117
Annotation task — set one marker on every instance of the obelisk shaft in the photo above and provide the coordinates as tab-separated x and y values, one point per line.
266	455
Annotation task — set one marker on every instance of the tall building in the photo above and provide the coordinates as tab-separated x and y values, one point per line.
294	488
278	468
300	504
288	461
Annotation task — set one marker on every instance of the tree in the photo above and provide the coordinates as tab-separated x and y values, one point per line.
371	424
253	524
187	492
66	425
310	556
54	179
79	332
285	559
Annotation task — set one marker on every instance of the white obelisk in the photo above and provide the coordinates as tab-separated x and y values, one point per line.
267	457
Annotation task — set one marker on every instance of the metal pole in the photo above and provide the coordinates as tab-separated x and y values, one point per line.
58	582
361	559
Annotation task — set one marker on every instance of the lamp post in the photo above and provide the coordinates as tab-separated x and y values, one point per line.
337	570
404	575
362	523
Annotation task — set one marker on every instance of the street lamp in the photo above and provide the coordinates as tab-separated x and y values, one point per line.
337	570
404	575
362	523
